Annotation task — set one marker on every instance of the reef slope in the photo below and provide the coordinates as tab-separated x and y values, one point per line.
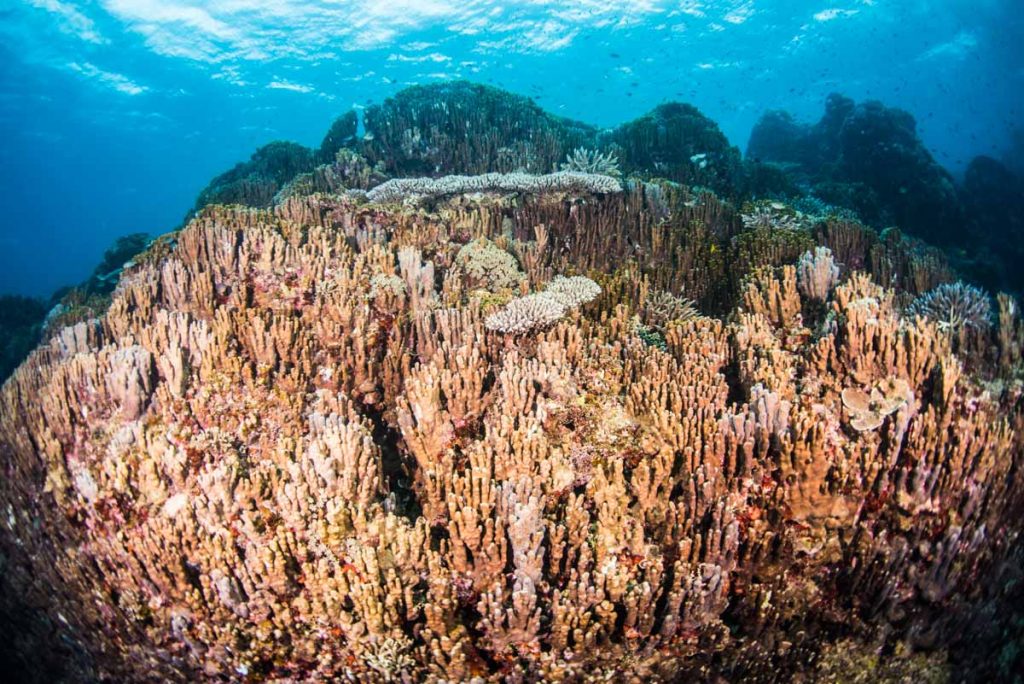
519	428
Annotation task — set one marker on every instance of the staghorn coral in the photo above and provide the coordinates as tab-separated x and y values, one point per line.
583	160
774	215
249	469
661	308
416	189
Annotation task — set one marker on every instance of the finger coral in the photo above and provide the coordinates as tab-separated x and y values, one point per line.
292	449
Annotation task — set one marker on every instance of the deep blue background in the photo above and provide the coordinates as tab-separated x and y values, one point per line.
114	114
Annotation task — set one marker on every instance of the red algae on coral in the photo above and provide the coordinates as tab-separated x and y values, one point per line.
292	450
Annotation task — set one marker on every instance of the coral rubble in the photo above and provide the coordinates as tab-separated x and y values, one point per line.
544	432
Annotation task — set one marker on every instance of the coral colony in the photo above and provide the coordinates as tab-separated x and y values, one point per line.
387	424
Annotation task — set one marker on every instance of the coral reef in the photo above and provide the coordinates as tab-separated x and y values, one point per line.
677	142
466	128
866	157
297	447
400	425
993	199
255	182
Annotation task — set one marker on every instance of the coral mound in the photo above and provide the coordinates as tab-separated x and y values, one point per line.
292	450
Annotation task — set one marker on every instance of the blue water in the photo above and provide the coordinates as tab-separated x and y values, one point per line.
114	114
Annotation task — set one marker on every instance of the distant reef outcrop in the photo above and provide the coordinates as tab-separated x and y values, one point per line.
868	157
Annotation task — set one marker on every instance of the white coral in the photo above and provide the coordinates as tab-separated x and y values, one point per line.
573	291
402	189
817	273
526	314
592	161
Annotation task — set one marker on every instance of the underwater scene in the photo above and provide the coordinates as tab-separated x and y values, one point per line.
532	341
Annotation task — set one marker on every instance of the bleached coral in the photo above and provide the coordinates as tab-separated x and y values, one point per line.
592	161
415	189
817	273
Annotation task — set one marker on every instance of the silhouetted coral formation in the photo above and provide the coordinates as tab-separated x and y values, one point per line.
21	320
866	157
255	182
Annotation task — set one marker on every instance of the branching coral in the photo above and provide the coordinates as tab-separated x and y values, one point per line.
956	306
592	161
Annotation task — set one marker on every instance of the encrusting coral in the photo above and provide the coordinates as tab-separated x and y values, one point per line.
299	447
